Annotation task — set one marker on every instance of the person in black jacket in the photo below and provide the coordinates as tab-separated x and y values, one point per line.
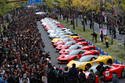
66	75
82	76
73	74
100	69
91	77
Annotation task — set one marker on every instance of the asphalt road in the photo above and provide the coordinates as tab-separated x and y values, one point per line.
52	51
48	45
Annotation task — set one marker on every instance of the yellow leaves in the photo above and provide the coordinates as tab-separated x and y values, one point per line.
80	4
88	4
123	5
76	3
49	3
4	8
63	3
85	4
108	6
60	3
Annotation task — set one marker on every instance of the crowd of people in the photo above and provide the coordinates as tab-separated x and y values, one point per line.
69	75
23	59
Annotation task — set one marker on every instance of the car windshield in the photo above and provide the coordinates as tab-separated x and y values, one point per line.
75	52
67	39
70	43
75	47
87	58
63	36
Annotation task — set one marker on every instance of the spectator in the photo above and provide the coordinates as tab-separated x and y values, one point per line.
66	75
100	70
73	74
85	19
115	79
44	78
106	41
91	77
60	76
21	50
82	76
101	36
94	36
51	74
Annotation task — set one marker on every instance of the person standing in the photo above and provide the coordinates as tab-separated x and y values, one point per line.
94	36
85	19
91	77
73	74
115	79
101	36
44	78
106	41
100	69
82	76
66	75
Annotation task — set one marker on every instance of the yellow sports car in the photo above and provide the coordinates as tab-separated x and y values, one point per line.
73	36
87	61
56	40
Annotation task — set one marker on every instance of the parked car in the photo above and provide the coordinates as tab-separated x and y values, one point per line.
66	45
70	56
88	61
117	69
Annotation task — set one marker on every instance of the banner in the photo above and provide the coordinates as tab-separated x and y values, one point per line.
31	2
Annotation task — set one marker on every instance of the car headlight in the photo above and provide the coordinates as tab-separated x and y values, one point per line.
107	73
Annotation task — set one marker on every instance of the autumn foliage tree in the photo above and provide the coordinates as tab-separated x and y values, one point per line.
4	7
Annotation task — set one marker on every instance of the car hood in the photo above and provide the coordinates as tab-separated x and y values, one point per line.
74	62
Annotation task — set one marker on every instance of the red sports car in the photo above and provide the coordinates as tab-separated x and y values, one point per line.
73	54
115	69
87	52
73	47
70	56
84	43
60	25
62	42
47	27
66	45
77	46
91	52
89	48
79	39
58	43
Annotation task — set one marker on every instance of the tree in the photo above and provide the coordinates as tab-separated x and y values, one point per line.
5	7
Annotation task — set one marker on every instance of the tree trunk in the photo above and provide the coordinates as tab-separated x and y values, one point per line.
73	21
76	16
60	12
83	22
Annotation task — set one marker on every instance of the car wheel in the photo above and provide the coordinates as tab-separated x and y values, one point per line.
76	58
109	61
123	73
